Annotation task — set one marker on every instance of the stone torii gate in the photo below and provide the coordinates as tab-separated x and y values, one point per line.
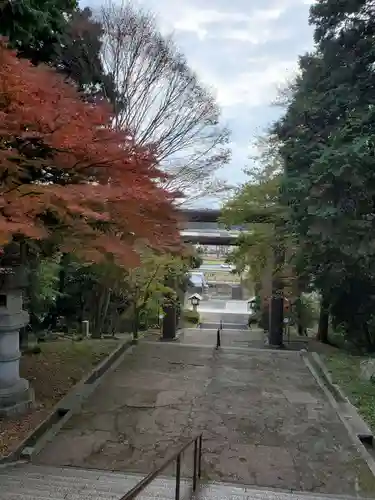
276	303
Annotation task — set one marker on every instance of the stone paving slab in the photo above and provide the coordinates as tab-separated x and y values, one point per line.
264	418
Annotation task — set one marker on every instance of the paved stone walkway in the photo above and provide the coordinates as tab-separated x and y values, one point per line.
265	420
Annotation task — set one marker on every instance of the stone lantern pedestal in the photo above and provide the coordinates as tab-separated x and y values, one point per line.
15	393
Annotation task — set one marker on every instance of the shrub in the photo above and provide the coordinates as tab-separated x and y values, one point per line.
306	311
190	316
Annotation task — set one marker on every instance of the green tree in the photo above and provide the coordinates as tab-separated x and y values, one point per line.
261	252
79	56
259	195
149	287
36	28
59	33
327	147
42	290
82	285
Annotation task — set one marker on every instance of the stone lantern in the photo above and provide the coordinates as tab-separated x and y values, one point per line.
15	393
251	304
195	300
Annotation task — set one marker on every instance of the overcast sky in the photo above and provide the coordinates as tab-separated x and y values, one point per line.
244	50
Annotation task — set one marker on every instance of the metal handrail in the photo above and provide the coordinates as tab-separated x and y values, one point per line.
197	440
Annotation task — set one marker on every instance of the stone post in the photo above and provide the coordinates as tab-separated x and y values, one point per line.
169	323
86	328
169	328
15	393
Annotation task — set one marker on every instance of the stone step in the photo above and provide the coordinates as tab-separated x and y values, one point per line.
36	482
32	482
226	326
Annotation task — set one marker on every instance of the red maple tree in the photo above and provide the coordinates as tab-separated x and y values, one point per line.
65	170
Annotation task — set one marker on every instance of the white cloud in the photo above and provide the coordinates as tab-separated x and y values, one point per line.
199	20
253	36
292	3
255	26
183	16
267	14
250	87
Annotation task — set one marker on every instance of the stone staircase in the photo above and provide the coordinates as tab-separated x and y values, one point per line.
25	481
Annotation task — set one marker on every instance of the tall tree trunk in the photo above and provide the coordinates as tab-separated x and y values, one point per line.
322	334
32	292
58	310
276	313
368	338
135	322
301	329
299	312
15	254
102	311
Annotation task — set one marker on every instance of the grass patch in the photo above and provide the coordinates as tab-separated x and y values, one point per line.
52	373
345	372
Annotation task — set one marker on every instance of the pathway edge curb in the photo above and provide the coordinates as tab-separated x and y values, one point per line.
36	440
326	386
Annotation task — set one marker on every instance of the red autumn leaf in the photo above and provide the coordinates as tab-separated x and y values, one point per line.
64	170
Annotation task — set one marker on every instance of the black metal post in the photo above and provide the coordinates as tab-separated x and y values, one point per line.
178	477
195	464
218	340
200	456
